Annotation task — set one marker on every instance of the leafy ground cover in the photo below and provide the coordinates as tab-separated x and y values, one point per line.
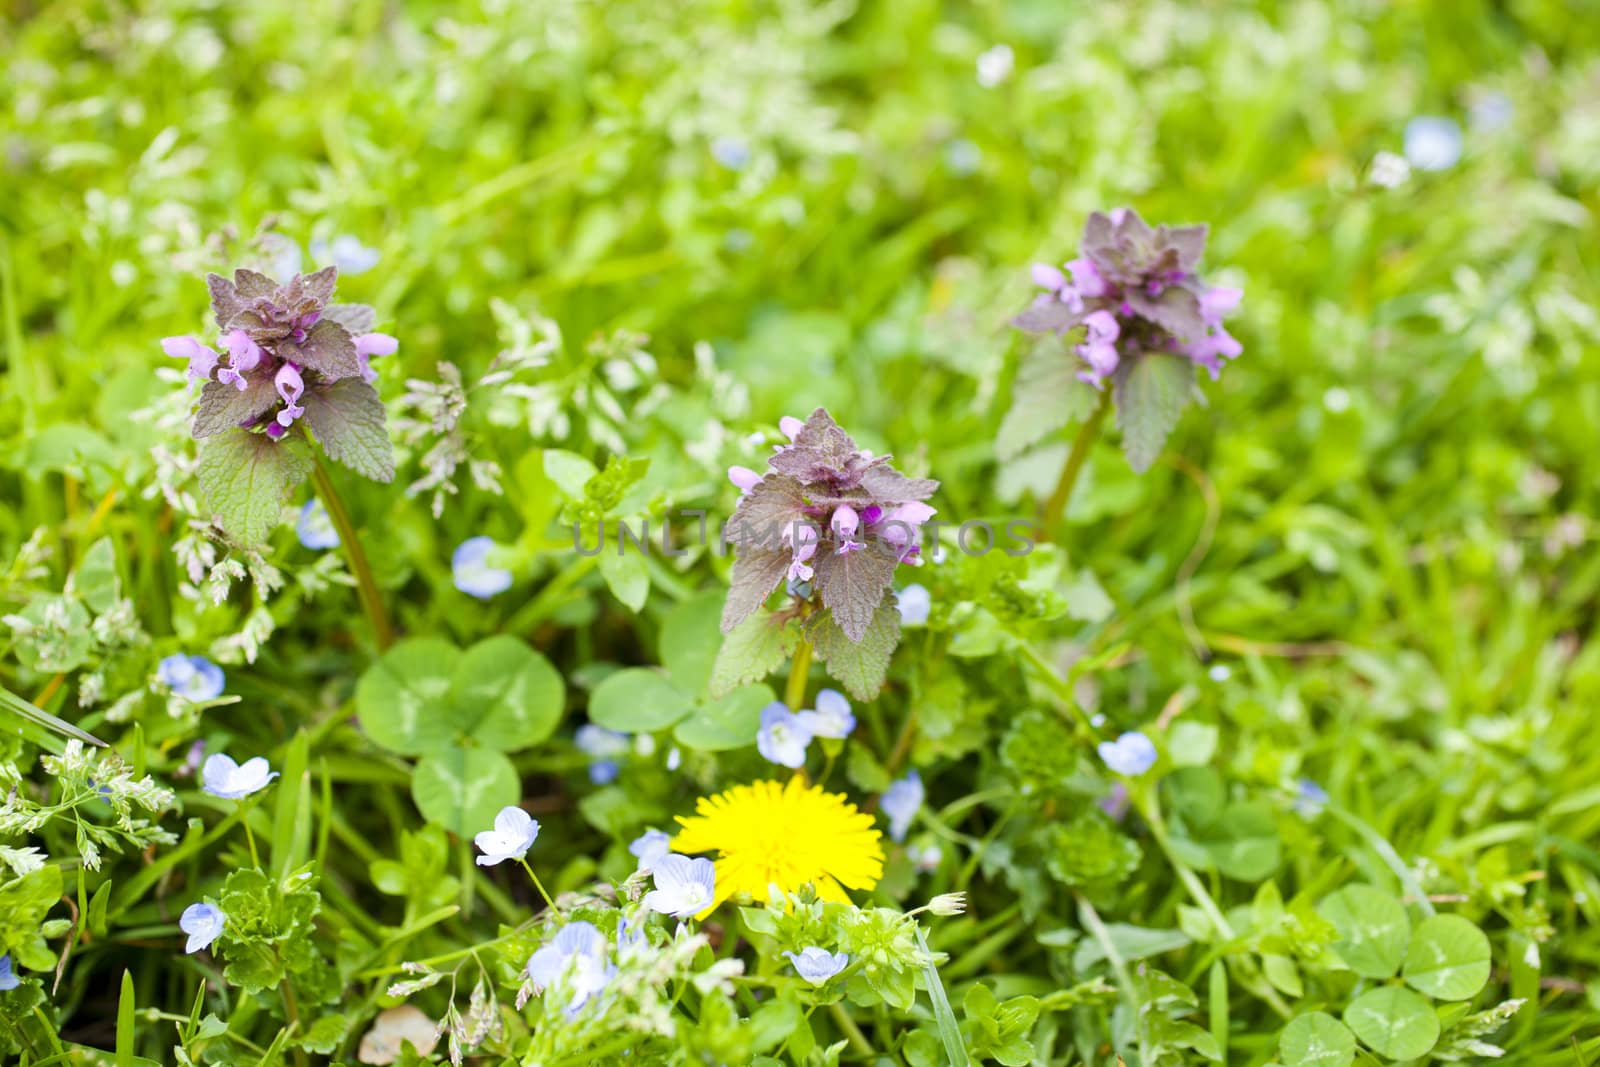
1253	730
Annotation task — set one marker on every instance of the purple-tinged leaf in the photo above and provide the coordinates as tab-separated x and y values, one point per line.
328	349
1189	242
226	303
858	665
766	513
356	318
853	583
1047	396
755	575
1151	391
319	286
222	407
885	485
253	285
348	419
1176	310
1047	315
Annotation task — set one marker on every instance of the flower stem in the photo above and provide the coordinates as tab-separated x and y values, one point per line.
794	694
366	588
848	1025
1057	504
539	886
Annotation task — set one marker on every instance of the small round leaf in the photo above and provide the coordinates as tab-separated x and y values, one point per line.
462	789
1316	1039
507	696
403	700
1394	1022
638	700
1372	926
691	636
1448	958
731	722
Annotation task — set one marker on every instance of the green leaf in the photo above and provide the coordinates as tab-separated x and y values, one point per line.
1394	1022
1244	842
1316	1039
731	722
627	577
223	408
852	585
1373	929
569	471
95	580
691	636
462	789
424	694
401	699
1047	396
36	720
324	1035
859	666
638	700
246	479
1151	391
752	650
1448	958
509	696
348	419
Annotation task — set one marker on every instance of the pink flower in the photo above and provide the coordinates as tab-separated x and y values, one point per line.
202	360
291	387
744	478
1099	349
1047	277
374	344
845	524
1086	278
1218	302
790	426
243	357
799	569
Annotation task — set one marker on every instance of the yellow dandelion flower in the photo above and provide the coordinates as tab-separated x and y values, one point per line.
771	833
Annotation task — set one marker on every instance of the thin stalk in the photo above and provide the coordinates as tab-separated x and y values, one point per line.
848	1026
1057	503
539	886
366	587
794	693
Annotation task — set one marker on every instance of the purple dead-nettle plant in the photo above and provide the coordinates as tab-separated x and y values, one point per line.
831	523
1140	319
290	368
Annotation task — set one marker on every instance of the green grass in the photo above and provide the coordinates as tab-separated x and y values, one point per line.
1381	524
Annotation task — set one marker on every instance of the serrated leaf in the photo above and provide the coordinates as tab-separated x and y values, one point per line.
852	584
247	479
319	286
765	513
356	318
222	407
1047	316
570	471
859	666
328	349
1448	958
1316	1039
1047	395
751	651
1151	391
887	485
755	575
225	299
1394	1022
348	419
252	284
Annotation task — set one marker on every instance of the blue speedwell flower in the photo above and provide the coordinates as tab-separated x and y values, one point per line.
650	847
470	568
901	802
514	833
222	777
573	963
914	604
203	923
1131	754
783	736
832	718
191	677
8	980
817	965
603	747
315	528
684	886
1433	142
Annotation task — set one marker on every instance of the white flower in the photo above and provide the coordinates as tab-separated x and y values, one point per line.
574	962
783	736
472	573
203	923
1388	170
817	965
514	833
650	847
232	781
995	65
914	603
314	528
684	886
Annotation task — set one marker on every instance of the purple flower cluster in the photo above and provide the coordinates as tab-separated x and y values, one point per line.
278	343
1134	289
